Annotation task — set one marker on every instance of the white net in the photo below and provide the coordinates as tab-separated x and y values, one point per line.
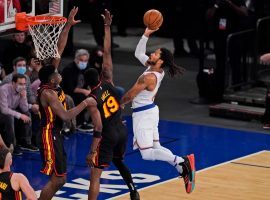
45	37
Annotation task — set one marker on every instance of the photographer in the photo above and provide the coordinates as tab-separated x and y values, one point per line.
224	17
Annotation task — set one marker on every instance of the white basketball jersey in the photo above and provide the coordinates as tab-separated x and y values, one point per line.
146	97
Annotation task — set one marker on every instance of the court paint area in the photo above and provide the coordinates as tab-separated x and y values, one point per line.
215	149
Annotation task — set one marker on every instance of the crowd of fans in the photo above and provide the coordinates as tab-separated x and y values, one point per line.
19	110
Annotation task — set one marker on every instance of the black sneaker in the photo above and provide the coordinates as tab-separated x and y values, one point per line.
189	172
134	195
17	151
29	147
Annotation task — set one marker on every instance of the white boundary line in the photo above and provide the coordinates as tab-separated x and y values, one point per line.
202	170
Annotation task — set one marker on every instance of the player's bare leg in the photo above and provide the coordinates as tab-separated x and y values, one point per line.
55	184
184	165
94	183
125	173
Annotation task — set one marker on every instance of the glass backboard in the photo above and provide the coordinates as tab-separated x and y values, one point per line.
9	8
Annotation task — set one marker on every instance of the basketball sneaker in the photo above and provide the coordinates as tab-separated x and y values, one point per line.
134	195
188	173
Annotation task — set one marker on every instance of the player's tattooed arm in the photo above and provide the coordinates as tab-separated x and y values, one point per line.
142	83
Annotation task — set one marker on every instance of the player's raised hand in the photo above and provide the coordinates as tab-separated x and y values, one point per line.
71	18
148	31
107	17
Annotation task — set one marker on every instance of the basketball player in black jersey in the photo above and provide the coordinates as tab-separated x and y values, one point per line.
52	105
110	144
13	184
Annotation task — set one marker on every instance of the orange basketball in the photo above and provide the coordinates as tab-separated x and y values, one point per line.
153	19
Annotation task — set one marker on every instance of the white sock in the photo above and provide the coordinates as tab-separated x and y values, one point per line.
176	160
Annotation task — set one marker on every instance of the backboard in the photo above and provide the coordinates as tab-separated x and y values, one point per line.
8	9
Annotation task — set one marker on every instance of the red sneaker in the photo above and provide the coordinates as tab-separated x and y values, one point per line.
189	172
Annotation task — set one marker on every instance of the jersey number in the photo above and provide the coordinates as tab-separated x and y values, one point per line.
110	106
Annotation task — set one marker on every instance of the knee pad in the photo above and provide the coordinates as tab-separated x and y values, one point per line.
148	154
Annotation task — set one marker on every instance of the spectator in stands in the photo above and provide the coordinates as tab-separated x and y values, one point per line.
73	83
17	48
186	24
120	13
13	184
14	112
96	61
265	59
224	17
34	65
19	67
94	10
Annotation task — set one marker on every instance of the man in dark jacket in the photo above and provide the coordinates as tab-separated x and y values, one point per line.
73	81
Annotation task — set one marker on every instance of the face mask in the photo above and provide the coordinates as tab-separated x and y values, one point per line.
21	70
82	65
20	88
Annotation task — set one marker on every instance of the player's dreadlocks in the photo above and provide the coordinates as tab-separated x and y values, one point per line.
168	61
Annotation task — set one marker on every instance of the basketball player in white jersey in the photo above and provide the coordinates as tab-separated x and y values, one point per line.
146	114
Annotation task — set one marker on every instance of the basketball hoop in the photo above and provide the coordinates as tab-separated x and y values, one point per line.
45	31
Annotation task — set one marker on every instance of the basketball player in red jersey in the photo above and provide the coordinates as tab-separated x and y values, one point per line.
51	99
145	115
111	147
13	184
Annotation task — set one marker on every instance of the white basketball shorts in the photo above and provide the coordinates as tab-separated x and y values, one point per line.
145	128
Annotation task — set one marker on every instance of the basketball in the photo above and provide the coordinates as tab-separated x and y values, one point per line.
153	19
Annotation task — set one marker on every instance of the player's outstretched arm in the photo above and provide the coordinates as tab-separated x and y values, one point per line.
19	181
141	47
107	68
57	107
64	34
142	83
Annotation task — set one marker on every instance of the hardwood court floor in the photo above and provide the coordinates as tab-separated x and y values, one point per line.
241	179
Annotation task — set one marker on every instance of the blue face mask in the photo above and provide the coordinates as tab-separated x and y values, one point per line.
82	65
21	70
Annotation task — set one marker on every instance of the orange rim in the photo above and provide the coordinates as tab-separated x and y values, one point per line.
23	21
35	20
